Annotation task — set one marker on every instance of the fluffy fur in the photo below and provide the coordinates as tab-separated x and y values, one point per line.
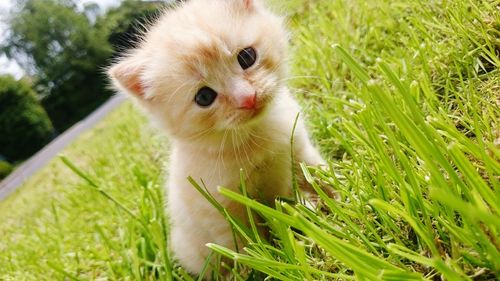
193	46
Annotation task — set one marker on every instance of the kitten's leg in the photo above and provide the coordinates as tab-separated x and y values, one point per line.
188	240
306	153
194	222
304	150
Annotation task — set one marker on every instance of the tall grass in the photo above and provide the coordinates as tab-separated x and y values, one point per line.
402	97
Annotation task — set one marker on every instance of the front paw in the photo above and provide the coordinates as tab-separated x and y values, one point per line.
315	187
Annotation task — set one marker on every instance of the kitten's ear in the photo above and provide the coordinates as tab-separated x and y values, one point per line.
126	76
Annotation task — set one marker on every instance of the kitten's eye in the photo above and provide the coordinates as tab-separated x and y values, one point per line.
247	57
205	96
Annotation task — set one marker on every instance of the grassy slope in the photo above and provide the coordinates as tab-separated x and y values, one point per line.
409	129
56	221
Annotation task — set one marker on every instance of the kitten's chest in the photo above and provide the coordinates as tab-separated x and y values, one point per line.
256	158
262	160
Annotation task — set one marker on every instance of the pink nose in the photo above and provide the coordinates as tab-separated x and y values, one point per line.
249	102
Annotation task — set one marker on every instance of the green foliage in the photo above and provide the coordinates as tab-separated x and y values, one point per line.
24	124
86	235
401	97
66	50
5	169
59	46
126	24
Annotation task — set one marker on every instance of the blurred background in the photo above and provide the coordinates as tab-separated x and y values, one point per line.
52	57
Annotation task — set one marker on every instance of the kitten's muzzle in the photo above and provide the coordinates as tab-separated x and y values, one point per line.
248	101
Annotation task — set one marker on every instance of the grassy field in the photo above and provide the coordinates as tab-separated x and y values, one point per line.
403	99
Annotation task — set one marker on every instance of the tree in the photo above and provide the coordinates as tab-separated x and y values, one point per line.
61	49
24	124
126	24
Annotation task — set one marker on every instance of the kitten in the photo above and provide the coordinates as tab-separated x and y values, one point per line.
211	73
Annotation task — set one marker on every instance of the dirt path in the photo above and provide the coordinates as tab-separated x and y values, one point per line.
42	157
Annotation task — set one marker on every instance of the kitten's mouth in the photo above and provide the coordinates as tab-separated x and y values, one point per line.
249	115
253	114
252	111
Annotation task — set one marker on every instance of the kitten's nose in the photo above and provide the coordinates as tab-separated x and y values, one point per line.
248	101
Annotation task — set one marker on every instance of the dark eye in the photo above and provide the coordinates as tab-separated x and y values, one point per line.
247	57
205	96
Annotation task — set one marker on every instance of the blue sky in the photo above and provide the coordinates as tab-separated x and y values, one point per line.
7	66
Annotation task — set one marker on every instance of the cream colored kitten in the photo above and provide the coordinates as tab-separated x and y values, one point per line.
212	73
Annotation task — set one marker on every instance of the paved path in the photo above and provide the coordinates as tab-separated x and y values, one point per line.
42	157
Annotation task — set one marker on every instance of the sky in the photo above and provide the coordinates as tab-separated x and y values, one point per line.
11	67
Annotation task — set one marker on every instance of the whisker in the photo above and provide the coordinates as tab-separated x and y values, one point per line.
201	134
242	152
252	135
246	145
219	157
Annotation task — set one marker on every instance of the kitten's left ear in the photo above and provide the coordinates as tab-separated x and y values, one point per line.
126	75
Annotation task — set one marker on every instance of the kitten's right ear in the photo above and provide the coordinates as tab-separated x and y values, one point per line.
126	75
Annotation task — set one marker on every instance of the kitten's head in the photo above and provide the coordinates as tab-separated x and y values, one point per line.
207	66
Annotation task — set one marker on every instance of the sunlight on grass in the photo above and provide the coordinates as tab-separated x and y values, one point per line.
58	224
402	97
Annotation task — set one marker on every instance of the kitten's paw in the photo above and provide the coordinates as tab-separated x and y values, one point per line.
311	196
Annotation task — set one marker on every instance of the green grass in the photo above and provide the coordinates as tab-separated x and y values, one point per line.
403	99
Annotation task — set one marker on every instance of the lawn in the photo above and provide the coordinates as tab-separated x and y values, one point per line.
402	98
